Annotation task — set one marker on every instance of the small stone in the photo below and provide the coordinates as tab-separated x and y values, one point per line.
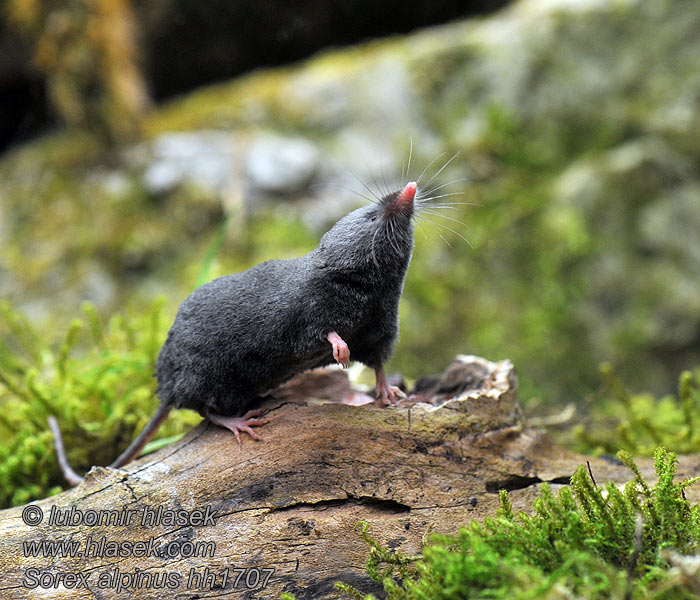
203	157
281	166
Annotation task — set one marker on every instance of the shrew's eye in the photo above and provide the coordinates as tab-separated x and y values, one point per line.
373	218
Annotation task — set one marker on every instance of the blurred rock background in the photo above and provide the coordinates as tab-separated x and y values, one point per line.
576	124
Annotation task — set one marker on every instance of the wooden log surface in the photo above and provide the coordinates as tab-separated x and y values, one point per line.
281	515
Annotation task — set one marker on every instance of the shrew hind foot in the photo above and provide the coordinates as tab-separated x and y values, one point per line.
237	424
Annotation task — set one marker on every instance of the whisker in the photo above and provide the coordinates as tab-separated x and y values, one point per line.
448	206
424	199
396	240
442	185
440	206
374	256
428	166
364	184
410	154
445	204
417	223
457	233
404	167
446	217
345	187
391	236
444	239
421	207
431	211
383	173
442	168
376	178
436	188
373	177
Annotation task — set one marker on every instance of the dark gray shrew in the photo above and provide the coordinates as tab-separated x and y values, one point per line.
238	337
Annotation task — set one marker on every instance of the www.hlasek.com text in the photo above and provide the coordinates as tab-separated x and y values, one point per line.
101	547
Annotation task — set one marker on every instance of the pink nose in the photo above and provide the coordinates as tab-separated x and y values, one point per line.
408	194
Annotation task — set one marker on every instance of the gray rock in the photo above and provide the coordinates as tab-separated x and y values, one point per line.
667	227
98	286
640	202
281	166
203	158
667	224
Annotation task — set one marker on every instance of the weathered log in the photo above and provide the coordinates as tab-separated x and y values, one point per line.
285	511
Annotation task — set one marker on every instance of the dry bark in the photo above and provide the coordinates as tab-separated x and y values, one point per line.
292	502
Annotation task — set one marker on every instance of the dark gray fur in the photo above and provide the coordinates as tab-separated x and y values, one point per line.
238	337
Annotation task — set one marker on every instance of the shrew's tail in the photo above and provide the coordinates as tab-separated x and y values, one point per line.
129	454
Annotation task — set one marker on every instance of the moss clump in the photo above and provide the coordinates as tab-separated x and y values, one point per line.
98	382
584	542
638	423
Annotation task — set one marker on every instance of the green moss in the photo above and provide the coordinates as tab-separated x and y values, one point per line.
638	422
224	105
97	376
98	382
584	542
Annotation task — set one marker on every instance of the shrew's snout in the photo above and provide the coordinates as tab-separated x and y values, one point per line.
403	200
